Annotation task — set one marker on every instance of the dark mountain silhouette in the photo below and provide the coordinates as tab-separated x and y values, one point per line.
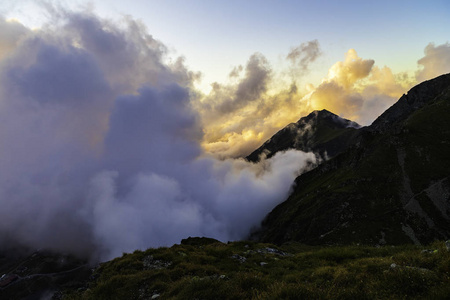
321	132
392	186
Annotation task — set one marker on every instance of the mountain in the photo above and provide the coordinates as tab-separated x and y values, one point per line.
321	132
40	274
205	269
388	183
392	186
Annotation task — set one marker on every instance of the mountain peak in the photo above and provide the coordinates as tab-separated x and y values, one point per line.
322	132
390	187
332	119
319	114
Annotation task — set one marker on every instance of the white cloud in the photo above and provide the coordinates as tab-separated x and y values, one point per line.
100	145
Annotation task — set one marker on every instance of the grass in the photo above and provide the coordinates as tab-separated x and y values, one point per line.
247	270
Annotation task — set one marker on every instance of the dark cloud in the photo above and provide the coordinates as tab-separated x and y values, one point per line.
251	88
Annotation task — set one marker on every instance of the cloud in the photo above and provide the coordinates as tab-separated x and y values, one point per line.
105	145
346	73
357	89
236	123
224	200
228	99
11	32
435	62
302	56
239	116
336	98
101	144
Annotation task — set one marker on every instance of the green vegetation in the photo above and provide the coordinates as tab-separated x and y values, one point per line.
247	270
427	139
390	186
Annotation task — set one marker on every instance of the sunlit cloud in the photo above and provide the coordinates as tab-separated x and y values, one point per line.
358	90
237	123
240	115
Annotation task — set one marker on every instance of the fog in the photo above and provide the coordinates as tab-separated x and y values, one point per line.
100	145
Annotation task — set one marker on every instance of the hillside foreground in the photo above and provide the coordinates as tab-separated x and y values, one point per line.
201	268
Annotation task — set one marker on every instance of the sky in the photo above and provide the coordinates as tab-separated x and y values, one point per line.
124	124
216	37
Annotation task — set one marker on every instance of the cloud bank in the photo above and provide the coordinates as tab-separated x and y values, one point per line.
100	144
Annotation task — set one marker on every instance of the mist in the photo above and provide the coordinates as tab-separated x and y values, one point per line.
100	144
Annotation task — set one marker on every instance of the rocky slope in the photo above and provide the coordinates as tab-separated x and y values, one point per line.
391	187
322	132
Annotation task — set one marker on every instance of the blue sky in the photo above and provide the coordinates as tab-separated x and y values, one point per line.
215	36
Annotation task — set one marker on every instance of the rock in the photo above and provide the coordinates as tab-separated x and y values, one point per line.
241	259
155	264
397	267
447	245
429	251
272	251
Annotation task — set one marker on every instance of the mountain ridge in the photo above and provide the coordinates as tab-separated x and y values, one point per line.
321	131
390	187
417	97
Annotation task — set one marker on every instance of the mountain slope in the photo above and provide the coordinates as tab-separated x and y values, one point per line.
321	132
392	187
246	270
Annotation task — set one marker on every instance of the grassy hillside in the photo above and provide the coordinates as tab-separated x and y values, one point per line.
201	269
391	187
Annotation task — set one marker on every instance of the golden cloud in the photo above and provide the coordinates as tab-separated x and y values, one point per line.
237	118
